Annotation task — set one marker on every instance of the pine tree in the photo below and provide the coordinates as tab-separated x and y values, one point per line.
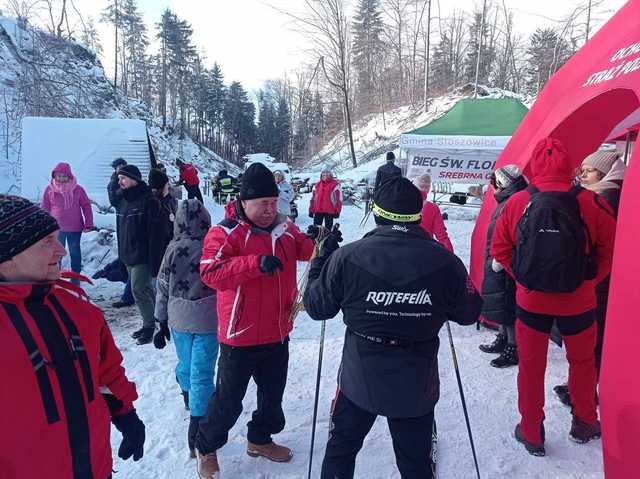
368	46
282	130
487	54
547	52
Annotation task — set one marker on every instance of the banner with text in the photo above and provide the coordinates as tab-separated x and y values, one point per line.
453	166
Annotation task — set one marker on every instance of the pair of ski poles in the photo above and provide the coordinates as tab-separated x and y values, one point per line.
458	378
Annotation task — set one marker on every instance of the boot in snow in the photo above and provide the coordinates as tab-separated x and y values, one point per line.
145	337
122	304
581	432
185	398
208	467
509	357
271	451
533	449
562	391
497	346
137	333
191	435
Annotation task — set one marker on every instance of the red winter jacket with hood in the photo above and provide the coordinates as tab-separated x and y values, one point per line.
552	170
253	308
189	175
57	357
326	198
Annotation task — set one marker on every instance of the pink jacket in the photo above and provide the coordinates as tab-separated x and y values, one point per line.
72	209
433	224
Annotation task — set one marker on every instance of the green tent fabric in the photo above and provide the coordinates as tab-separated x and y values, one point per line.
478	117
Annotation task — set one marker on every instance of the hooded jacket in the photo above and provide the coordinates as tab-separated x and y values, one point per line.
285	197
189	175
182	298
73	213
57	357
395	283
253	308
326	198
552	170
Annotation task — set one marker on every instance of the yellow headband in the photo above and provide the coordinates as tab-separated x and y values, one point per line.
395	216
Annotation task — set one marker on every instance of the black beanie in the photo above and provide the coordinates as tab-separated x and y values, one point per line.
397	201
117	163
258	182
157	179
391	156
22	224
131	171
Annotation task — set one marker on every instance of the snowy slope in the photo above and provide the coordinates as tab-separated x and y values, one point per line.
490	394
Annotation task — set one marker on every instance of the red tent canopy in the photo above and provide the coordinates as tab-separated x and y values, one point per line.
582	104
630	124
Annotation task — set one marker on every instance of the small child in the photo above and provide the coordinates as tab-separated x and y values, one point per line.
188	307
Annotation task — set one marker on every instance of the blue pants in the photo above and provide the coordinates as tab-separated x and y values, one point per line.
127	294
72	241
197	354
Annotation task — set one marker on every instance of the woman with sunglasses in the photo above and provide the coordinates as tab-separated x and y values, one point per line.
498	288
601	172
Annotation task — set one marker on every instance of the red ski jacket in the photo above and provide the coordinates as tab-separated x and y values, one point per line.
552	170
189	175
57	357
326	198
253	308
432	222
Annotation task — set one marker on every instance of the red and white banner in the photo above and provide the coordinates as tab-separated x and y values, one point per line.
453	166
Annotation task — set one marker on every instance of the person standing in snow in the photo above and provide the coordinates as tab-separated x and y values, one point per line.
225	186
286	195
498	288
326	200
174	191
387	171
63	380
396	288
550	257
159	184
189	178
186	310
601	172
139	247
431	216
251	263
69	204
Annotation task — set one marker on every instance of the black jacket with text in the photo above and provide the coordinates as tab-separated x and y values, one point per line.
395	284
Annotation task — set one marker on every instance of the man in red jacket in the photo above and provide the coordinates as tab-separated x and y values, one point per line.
189	178
552	170
250	260
62	375
326	200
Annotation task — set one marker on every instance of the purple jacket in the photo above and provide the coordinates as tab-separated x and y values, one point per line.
78	215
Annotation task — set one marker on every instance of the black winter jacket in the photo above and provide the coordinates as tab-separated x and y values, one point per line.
395	284
114	190
498	288
385	173
139	227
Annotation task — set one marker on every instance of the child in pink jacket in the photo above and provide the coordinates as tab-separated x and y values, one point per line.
432	221
69	204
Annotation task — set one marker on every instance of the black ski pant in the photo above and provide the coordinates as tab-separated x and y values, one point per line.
350	425
193	191
267	364
319	218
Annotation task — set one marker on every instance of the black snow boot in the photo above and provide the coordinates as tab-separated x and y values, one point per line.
194	421
562	391
137	333
497	346
185	398
509	357
581	432
122	304
146	336
533	449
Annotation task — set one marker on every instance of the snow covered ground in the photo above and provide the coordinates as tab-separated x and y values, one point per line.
490	395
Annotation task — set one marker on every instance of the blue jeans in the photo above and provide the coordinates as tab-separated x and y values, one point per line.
197	354
72	241
127	294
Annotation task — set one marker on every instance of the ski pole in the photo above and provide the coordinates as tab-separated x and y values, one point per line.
464	403
315	402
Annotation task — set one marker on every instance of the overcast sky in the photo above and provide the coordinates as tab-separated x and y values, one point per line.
253	42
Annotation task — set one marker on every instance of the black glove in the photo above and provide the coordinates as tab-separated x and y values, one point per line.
310	214
331	243
132	429
162	336
313	231
269	264
99	274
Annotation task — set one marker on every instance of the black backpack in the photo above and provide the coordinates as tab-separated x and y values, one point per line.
554	253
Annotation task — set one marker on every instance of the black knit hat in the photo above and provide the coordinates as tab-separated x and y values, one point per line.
131	171
397	201
157	179
22	224
117	163
391	156
258	182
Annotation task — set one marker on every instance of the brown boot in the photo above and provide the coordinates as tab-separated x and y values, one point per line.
581	432
271	451
208	467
